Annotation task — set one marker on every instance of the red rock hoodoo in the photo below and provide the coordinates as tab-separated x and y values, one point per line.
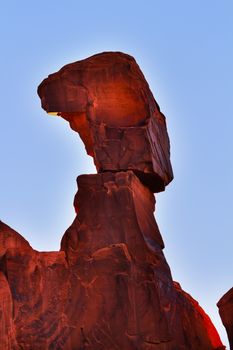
109	287
225	306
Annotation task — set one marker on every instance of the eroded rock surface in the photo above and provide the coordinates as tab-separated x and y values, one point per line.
225	306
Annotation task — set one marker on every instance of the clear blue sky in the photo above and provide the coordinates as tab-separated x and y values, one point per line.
185	49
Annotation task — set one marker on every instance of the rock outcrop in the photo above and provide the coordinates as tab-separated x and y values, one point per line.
225	306
109	287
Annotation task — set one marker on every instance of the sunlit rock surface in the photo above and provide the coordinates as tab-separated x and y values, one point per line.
109	287
225	306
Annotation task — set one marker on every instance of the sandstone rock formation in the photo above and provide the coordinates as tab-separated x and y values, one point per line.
225	306
109	287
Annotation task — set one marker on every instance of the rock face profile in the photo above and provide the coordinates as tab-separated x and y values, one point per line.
107	100
225	306
109	287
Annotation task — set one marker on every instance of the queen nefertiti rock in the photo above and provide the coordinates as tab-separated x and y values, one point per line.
107	100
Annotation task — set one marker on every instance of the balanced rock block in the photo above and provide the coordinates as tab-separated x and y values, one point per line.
225	306
107	100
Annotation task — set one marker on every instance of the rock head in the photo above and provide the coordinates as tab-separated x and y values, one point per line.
109	287
107	100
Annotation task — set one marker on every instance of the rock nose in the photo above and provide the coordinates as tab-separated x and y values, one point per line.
51	94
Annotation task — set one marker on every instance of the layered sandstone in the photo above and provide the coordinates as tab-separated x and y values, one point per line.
109	287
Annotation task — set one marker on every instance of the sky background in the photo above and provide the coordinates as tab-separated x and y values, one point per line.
185	49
